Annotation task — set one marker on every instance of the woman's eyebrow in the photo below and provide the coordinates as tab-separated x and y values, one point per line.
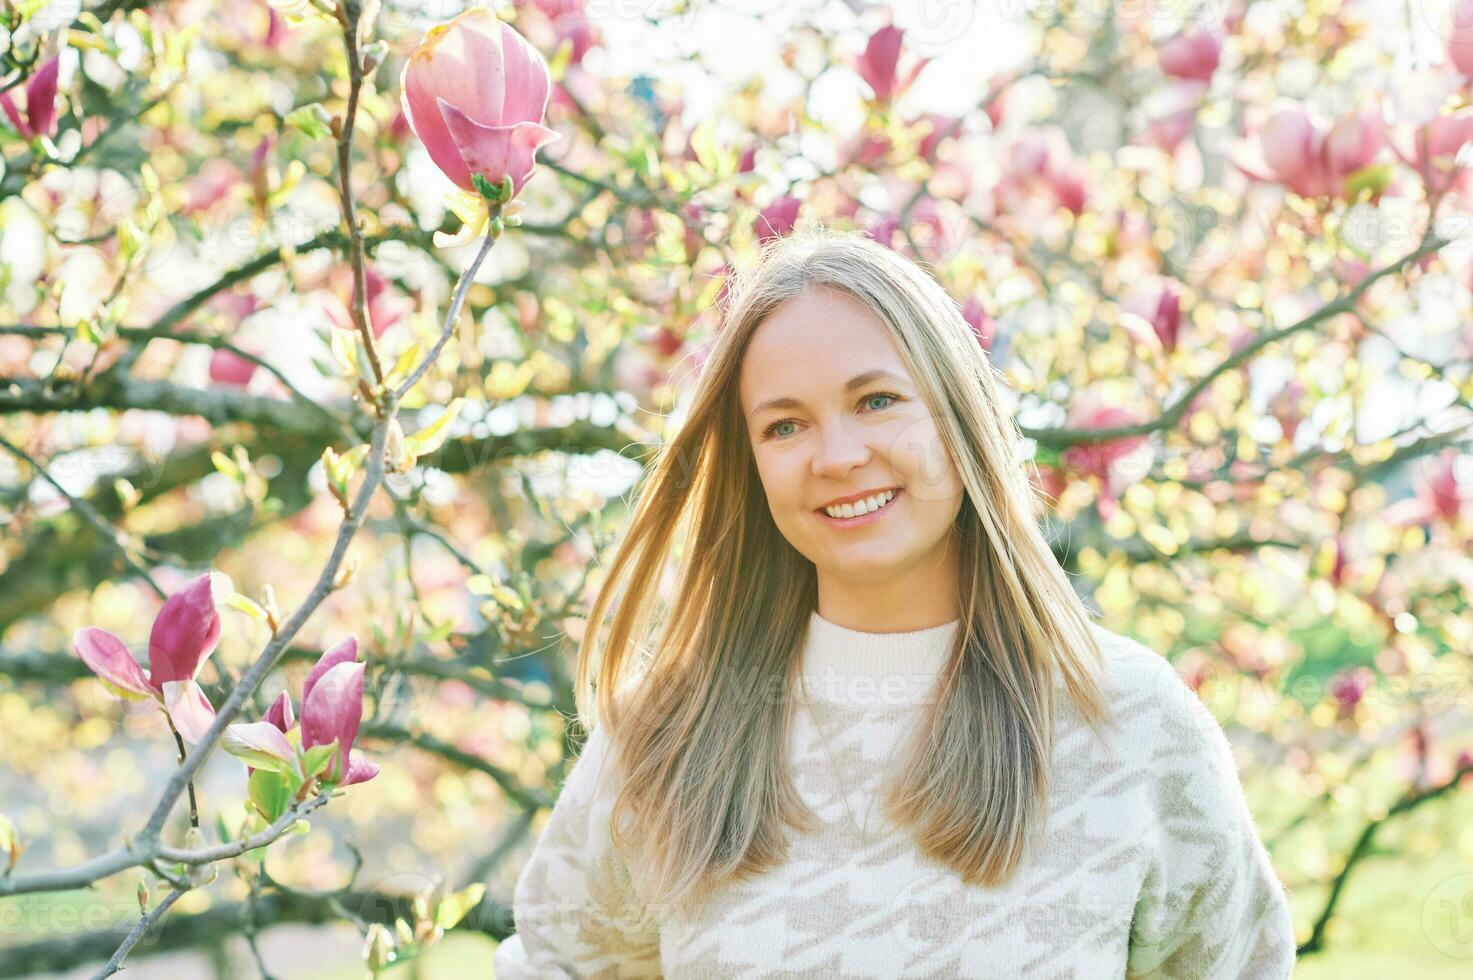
858	381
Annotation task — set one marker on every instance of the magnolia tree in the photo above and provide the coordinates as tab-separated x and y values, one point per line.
265	385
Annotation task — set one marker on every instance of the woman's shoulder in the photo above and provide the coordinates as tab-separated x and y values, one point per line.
1149	698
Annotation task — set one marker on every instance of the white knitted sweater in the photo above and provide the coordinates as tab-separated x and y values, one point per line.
1151	864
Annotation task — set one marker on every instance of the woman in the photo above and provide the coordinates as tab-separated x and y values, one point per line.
883	740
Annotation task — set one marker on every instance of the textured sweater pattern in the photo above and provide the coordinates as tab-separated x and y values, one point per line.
1151	865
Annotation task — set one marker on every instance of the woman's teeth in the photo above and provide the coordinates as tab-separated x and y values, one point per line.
860	507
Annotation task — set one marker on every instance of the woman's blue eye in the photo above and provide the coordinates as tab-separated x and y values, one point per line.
771	430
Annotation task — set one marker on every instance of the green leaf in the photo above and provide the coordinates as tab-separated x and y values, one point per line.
311	119
270	792
316	759
226	465
1373	177
432	436
246	605
452	908
344	344
403	366
439	633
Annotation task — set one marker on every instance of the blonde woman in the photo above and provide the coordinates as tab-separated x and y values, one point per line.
877	734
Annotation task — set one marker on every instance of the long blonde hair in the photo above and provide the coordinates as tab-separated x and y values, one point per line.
698	720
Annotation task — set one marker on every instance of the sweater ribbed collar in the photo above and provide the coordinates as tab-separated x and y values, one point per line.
873	670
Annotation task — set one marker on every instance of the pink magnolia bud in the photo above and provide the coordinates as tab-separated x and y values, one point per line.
1167	319
229	368
185	633
280	713
40	118
1070	188
1442	490
332	711
1291	147
1353	142
879	64
1191	54
475	92
345	651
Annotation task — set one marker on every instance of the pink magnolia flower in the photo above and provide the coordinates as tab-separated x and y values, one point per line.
280	713
1434	149
1041	158
570	22
940	127
879	64
275	29
40	117
1159	310
217	177
1441	495
977	318
867	149
1191	54
332	710
184	634
475	92
778	218
1106	461
386	305
1172	113
1313	162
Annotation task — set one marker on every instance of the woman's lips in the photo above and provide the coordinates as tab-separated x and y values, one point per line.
863	519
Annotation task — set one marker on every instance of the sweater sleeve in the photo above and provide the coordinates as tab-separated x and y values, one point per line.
575	910
1211	906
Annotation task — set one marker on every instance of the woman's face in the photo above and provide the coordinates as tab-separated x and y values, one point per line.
847	421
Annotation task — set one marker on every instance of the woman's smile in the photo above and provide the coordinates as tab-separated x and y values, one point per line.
869	517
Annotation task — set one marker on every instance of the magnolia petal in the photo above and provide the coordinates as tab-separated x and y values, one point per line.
280	713
13	114
464	60
495	151
344	651
189	709
41	98
360	770
109	659
185	632
334	709
418	103
261	744
528	83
